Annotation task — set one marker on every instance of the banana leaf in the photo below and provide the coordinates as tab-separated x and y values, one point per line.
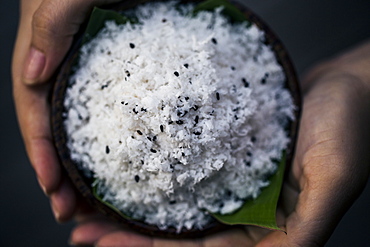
97	22
229	10
262	210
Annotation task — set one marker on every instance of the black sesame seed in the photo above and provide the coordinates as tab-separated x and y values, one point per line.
274	160
249	154
263	81
236	117
164	20
183	154
170	122
179	122
137	178
245	82
214	41
186	65
195	107
197	133
107	150
154	138
142	162
132	137
161	127
218	96
122	102
182	113
139	132
148	137
134	110
173	202
232	68
132	46
190	82
153	150
233	88
248	163
253	139
176	73
186	98
196	119
143	109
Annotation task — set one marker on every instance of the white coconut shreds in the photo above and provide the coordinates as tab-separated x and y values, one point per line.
177	116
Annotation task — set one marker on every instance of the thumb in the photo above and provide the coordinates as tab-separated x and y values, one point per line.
54	24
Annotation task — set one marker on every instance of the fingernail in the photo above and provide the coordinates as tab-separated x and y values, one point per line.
42	186
55	212
34	66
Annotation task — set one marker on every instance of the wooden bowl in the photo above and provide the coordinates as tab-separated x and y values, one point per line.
83	184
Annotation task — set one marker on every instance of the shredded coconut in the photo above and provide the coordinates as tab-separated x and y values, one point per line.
177	116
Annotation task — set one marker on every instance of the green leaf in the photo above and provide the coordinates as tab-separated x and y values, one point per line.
99	197
262	210
97	22
229	9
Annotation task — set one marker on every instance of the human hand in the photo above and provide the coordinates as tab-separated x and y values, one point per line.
321	184
329	170
45	33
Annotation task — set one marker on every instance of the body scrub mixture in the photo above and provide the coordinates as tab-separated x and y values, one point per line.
177	116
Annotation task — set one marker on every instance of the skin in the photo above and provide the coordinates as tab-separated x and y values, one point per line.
329	170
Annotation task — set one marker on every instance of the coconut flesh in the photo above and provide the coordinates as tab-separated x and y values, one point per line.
177	116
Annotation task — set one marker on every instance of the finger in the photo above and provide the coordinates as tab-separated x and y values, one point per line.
33	117
54	24
234	237
178	243
89	232
63	201
124	239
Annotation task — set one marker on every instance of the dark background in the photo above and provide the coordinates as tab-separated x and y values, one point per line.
311	30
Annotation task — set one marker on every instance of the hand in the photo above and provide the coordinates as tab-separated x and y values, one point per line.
329	170
45	34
